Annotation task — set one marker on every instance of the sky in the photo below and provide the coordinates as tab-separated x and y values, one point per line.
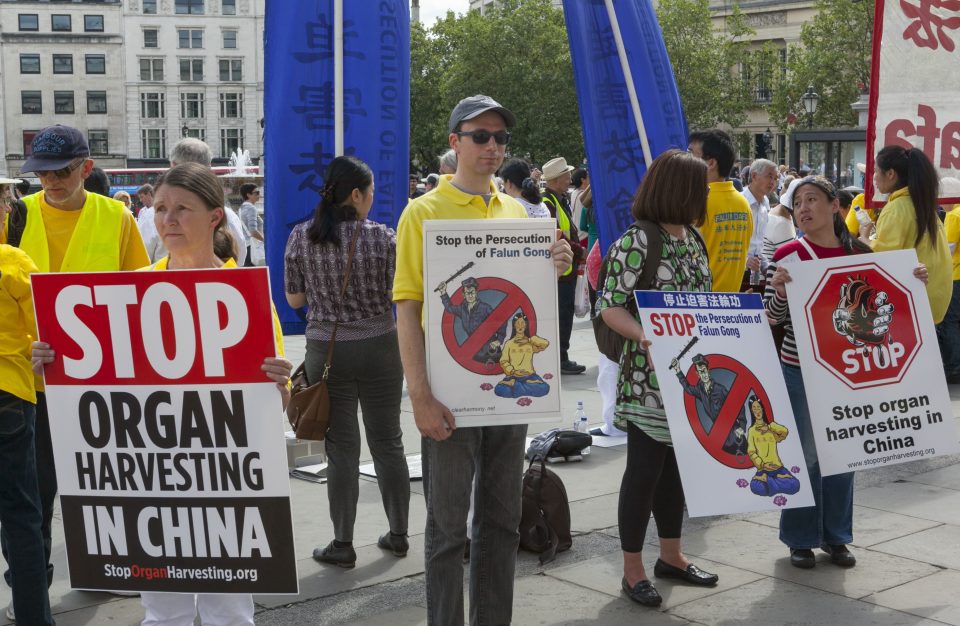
430	10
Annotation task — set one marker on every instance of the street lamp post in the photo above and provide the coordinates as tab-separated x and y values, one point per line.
768	142
810	100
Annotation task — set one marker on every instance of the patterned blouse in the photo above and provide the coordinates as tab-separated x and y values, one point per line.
317	271
683	267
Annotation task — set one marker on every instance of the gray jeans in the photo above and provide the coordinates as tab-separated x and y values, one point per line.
367	372
495	453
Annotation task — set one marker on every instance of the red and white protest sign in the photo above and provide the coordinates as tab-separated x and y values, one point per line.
167	435
915	86
871	365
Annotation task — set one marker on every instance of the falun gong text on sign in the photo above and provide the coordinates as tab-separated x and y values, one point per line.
168	439
915	85
871	366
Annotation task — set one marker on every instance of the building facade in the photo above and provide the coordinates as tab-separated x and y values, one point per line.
134	75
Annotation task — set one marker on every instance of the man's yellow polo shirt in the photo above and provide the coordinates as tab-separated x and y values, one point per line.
446	202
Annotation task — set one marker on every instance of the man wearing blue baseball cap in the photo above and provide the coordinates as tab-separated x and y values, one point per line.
69	230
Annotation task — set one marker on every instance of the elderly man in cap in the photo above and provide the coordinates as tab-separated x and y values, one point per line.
451	456
556	173
70	230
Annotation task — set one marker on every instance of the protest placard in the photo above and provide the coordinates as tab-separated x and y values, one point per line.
490	319
730	419
871	366
167	435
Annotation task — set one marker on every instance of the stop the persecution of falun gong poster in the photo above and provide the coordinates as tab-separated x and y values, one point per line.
490	319
871	366
167	435
730	419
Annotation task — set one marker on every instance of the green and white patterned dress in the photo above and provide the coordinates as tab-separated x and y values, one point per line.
683	267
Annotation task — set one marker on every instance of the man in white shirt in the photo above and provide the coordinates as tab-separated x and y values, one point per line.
763	180
148	230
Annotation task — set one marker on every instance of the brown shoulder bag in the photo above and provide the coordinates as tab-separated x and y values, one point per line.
309	406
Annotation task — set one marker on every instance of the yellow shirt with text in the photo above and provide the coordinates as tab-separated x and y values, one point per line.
726	231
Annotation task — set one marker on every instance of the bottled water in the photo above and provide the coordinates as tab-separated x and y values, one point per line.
580	424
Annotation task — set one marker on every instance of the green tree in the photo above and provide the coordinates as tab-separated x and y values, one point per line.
516	53
833	56
703	61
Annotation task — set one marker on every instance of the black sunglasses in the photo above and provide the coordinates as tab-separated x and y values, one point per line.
481	137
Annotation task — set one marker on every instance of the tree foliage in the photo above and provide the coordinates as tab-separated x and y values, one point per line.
833	56
704	62
516	53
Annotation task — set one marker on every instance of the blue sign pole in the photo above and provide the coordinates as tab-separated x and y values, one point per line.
609	106
299	108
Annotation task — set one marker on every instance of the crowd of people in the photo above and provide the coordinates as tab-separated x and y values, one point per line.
362	282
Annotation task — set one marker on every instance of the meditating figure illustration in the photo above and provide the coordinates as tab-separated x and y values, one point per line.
520	379
762	439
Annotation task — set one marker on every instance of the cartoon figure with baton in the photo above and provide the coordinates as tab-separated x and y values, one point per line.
472	313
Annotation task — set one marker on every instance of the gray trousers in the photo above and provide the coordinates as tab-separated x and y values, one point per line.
367	372
495	455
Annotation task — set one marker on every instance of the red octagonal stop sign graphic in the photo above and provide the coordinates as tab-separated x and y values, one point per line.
863	325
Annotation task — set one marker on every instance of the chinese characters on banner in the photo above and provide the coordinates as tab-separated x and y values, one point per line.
614	151
871	366
168	442
915	85
730	420
299	112
490	320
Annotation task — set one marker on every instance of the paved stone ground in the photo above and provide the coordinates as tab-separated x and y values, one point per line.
907	541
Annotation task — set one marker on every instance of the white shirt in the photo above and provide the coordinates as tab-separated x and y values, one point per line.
761	210
236	230
534	210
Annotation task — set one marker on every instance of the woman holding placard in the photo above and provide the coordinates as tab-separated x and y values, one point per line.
191	222
673	196
829	524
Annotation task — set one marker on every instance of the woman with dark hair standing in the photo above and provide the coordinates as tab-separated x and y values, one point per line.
909	219
673	195
518	183
366	368
250	217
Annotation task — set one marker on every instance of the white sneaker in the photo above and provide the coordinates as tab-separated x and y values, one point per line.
9	612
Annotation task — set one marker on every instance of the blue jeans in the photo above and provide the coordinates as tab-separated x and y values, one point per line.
830	520
948	333
495	454
20	511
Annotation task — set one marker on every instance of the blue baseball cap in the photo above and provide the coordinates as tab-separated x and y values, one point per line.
54	148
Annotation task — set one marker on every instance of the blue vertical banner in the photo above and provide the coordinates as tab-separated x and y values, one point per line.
299	105
613	144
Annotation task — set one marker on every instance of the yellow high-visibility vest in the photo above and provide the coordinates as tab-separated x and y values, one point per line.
563	221
95	244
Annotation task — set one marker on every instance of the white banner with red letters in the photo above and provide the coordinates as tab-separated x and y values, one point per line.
167	435
730	419
871	365
915	85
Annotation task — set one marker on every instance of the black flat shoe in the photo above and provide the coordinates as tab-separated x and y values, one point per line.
598	432
397	544
572	367
802	558
692	575
642	593
840	555
341	556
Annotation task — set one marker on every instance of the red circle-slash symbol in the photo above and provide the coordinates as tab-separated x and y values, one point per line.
511	299
744	384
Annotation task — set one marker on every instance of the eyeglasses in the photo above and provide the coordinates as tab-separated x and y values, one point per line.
482	137
63	172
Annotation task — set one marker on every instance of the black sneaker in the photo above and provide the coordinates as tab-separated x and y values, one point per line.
839	555
397	544
334	554
802	558
571	367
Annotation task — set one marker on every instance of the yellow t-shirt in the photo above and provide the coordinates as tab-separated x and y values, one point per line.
232	264
446	202
951	224
726	231
852	224
17	324
762	447
897	230
517	358
61	224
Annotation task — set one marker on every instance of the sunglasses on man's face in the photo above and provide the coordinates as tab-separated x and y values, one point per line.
63	172
482	137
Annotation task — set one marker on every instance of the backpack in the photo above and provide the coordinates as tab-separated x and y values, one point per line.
545	517
609	341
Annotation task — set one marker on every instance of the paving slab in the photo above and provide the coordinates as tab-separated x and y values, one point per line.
594	513
604	574
934	597
939	546
946	477
116	611
914	499
756	548
599	473
772	601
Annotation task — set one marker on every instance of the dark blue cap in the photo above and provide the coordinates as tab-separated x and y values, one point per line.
54	148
